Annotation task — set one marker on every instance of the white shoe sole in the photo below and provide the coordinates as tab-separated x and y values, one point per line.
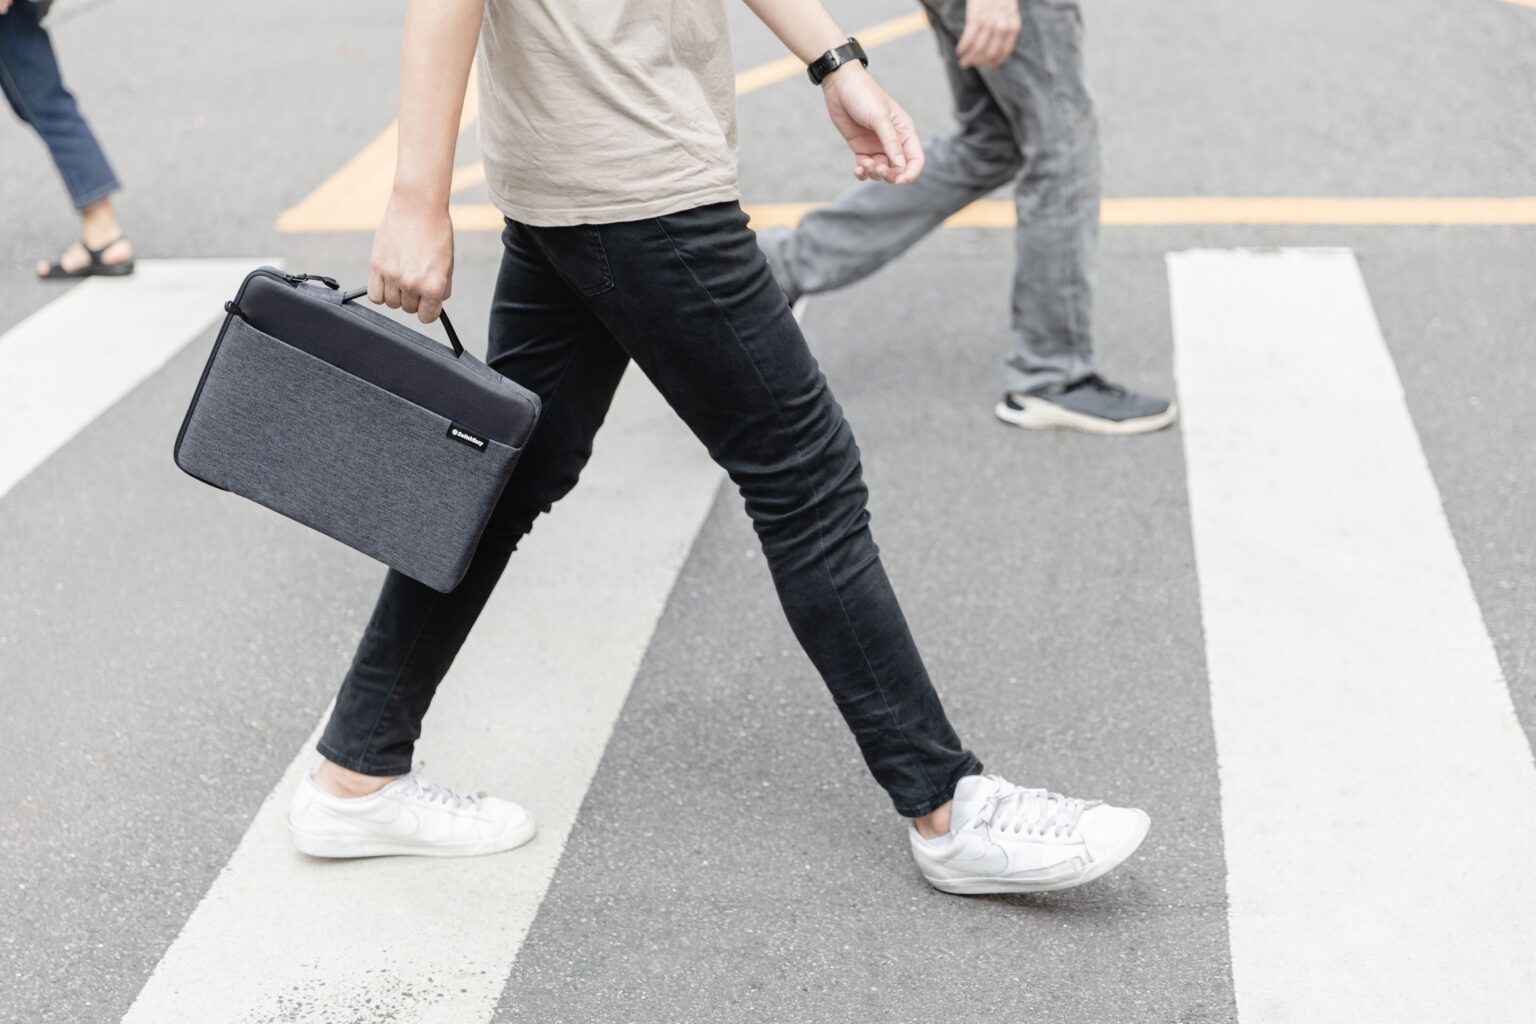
1048	883
347	847
1039	414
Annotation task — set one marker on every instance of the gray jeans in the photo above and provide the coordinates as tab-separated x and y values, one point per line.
1029	121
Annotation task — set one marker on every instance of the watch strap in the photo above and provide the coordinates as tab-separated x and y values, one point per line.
835	58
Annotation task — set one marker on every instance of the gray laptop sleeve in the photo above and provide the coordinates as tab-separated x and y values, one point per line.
333	415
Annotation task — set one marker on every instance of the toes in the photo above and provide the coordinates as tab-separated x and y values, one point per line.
74	258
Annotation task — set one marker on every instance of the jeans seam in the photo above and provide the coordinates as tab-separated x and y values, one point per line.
596	236
17	99
436	598
815	503
394	683
554	391
1082	344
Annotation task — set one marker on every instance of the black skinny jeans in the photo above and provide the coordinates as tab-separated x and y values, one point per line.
689	298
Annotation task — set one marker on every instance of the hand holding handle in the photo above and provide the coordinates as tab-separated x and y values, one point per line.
453	336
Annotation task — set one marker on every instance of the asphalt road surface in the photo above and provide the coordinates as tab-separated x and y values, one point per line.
1297	628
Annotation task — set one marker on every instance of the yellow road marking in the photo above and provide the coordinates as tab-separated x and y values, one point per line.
1169	211
790	67
1282	210
353	199
1522	3
467	176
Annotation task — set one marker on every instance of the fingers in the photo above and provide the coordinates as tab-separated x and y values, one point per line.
986	44
891	155
996	47
967	41
911	148
902	161
1006	42
985	53
973	41
425	298
874	168
411	267
422	296
430	299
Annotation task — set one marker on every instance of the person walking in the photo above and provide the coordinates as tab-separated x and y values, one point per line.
608	133
1025	116
34	87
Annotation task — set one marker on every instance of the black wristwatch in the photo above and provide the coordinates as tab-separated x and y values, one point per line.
835	58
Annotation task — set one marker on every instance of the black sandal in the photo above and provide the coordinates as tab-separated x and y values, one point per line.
95	268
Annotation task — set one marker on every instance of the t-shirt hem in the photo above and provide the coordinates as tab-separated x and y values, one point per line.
572	216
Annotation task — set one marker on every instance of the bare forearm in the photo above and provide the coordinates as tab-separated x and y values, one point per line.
805	26
879	132
435	58
412	263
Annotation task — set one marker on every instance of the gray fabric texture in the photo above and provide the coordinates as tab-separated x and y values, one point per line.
342	456
1030	122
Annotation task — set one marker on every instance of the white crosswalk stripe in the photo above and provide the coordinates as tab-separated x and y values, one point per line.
1378	795
282	937
73	359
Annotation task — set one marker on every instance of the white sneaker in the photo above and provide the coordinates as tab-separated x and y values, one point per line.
1005	838
411	815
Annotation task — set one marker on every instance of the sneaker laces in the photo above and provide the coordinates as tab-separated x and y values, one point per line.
1012	808
423	788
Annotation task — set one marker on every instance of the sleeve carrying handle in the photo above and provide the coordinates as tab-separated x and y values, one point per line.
453	336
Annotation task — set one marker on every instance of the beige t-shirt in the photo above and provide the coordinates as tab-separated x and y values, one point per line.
595	111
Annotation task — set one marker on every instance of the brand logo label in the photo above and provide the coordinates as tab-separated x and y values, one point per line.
464	437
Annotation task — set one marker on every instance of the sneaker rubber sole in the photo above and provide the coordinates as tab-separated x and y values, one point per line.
1040	414
348	847
1049	881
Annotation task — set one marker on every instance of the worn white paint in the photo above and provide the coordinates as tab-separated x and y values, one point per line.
69	362
525	713
1378	795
